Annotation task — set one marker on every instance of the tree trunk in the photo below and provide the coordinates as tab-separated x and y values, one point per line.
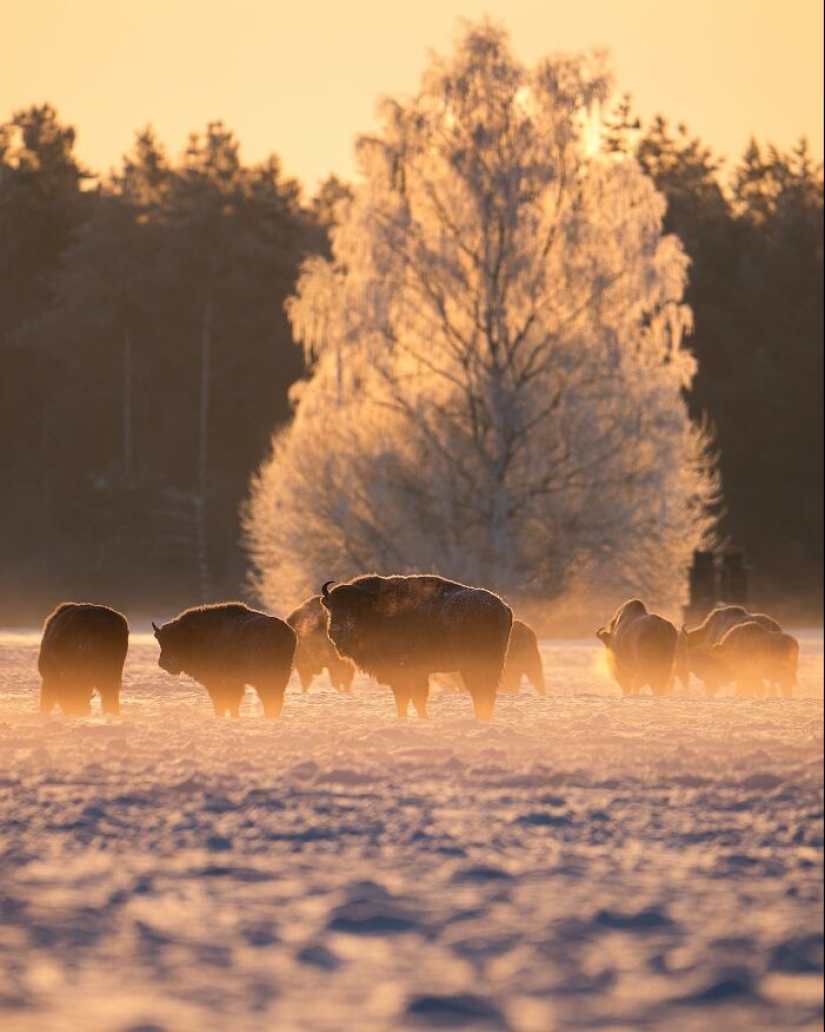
128	436
203	452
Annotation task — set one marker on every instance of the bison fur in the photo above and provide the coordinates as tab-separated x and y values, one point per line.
83	647
523	660
642	649
700	641
315	652
227	646
751	654
401	629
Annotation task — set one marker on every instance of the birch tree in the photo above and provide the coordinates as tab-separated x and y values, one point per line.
497	353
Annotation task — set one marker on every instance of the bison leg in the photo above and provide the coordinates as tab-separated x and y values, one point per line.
234	697
226	699
535	675
482	689
272	697
219	704
627	685
484	699
481	681
340	674
273	705
402	695
305	676
110	698
218	701
49	695
420	693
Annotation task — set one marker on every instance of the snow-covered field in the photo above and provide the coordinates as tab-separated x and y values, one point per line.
585	862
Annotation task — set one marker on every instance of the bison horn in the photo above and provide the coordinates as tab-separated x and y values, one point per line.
325	588
155	627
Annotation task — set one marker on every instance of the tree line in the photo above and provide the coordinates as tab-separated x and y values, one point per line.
144	358
145	353
754	233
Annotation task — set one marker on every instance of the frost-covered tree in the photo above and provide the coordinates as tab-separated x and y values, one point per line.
498	369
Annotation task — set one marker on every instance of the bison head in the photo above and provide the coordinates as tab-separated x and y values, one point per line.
352	612
171	648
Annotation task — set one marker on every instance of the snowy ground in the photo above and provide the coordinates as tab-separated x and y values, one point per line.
586	862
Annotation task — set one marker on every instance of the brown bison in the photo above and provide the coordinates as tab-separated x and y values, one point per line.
315	651
642	649
83	648
700	640
402	629
523	660
227	646
750	654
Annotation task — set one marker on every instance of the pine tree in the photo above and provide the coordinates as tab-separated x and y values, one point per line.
772	426
171	356
43	204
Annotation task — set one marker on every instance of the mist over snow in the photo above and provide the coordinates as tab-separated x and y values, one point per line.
583	862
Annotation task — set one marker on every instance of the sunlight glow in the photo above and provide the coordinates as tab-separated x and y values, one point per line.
302	79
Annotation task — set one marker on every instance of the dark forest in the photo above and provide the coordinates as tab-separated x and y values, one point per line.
146	357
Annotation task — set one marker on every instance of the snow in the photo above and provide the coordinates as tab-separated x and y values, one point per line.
584	862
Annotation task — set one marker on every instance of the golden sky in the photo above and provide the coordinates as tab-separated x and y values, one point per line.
301	77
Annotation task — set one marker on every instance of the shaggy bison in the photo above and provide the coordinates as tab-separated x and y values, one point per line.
642	649
402	629
227	646
83	648
314	650
751	654
699	642
523	660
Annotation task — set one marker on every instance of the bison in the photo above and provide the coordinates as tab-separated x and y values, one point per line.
83	647
642	649
523	660
401	629
751	653
315	651
227	646
700	640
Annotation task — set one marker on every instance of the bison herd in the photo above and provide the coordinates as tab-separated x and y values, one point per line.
401	630
730	645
